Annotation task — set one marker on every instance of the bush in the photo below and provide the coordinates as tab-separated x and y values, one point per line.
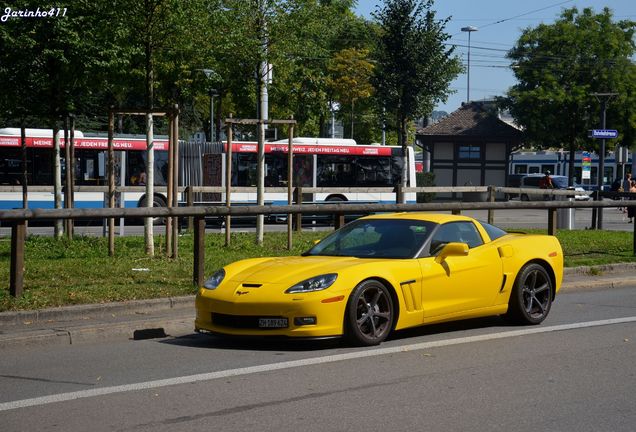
424	179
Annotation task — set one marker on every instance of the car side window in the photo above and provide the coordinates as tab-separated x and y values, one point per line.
462	232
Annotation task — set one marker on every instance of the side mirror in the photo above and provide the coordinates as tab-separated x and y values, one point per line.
451	249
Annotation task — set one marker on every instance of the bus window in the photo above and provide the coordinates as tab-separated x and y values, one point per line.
373	171
303	170
334	170
136	168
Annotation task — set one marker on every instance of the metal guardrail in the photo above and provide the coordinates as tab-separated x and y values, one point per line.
19	218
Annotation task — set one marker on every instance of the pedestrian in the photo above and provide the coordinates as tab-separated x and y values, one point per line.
625	186
631	210
546	181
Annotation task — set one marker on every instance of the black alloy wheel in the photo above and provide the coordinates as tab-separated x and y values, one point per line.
531	296
369	315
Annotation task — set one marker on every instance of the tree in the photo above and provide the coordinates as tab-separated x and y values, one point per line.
414	67
350	73
558	66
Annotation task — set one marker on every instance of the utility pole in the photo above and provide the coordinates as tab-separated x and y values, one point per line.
263	114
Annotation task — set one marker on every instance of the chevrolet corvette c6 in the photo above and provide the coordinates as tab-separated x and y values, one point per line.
383	273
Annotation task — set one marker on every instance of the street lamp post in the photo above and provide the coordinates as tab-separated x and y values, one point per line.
210	75
213	93
468	29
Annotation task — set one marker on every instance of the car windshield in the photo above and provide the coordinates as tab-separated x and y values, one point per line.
375	238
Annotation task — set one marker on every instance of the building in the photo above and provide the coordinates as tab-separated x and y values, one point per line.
470	147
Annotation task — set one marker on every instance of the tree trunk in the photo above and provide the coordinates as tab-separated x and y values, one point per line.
352	109
150	155
57	179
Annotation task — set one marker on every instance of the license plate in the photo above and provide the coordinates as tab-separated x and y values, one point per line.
272	322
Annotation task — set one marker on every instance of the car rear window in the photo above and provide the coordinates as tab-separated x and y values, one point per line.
493	231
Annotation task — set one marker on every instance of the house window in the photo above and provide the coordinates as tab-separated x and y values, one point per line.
469	152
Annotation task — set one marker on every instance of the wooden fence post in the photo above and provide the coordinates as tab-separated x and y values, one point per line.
491	198
634	241
199	251
190	198
18	235
552	221
298	217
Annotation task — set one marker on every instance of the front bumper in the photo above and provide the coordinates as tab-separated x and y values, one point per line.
239	315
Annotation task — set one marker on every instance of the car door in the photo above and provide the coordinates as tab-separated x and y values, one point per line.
460	283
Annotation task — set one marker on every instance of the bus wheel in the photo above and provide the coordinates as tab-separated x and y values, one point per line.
158	201
334	199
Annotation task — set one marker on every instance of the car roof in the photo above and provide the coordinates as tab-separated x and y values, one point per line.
438	218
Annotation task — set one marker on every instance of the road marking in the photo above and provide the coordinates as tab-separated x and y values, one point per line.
63	397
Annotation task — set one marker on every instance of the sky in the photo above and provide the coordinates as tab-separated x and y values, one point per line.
499	24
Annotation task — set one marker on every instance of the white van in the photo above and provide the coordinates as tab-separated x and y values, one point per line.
531	181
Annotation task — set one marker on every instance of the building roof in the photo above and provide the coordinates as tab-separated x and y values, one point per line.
474	119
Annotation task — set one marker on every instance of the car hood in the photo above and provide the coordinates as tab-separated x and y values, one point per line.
292	269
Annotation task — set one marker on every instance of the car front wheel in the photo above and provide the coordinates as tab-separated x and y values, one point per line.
369	315
531	296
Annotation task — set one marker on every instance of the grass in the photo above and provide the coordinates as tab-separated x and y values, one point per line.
58	272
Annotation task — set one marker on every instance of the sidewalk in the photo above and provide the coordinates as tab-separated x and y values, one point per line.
144	319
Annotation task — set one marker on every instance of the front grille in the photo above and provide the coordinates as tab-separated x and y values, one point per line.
239	321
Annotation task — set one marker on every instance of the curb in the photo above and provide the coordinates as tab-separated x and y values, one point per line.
73	313
618	267
88	333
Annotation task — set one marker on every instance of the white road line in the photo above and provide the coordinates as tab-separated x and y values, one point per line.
62	397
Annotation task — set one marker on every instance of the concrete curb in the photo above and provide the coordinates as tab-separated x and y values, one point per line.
72	313
618	267
88	333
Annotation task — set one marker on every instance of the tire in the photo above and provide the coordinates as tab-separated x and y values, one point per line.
158	201
370	314
334	199
531	297
524	197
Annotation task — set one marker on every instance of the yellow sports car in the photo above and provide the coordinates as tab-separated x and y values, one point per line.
386	272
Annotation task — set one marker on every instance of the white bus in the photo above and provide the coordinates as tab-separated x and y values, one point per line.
318	163
90	167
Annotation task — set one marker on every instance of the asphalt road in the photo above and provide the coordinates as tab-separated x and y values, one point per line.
575	372
613	220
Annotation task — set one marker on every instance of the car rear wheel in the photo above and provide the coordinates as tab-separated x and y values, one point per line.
531	296
369	315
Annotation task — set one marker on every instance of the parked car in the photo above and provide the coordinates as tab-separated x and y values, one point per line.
532	181
383	273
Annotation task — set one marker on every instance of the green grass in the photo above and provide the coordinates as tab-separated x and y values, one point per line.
590	247
58	272
63	273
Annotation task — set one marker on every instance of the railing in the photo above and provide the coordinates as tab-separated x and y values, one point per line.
18	218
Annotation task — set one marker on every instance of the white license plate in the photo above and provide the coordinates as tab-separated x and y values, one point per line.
272	322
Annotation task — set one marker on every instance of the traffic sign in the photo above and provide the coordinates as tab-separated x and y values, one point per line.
603	133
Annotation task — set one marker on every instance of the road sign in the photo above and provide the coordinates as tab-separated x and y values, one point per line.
603	133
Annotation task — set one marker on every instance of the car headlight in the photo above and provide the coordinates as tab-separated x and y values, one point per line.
215	280
317	283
